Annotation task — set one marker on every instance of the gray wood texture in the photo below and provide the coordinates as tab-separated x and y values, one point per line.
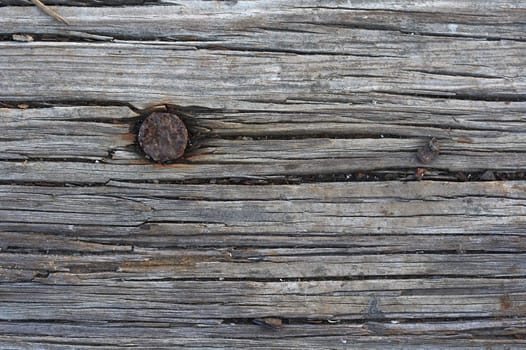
269	54
96	145
289	105
216	256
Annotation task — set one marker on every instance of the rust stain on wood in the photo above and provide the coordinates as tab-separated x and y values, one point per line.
505	302
464	140
128	137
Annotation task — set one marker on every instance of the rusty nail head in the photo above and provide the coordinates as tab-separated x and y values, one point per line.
163	137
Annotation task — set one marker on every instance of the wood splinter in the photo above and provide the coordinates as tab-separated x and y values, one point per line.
50	11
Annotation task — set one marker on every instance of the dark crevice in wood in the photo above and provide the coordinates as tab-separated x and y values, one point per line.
336	136
463	36
199	42
462	96
32	251
329	321
49	184
86	3
65	103
325	216
92	225
42	274
377	321
390	10
59	36
53	160
249	259
349	25
391	28
224	47
242	257
422	277
453	74
404	175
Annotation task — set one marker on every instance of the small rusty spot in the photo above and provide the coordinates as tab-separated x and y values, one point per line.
427	154
163	137
505	302
464	140
128	137
420	173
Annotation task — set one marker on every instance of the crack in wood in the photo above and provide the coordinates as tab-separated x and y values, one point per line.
121	253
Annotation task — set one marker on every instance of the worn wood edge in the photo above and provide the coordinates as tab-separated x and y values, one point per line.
202	23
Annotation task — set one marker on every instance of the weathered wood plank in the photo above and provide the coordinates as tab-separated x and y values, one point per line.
384	115
436	216
437	331
60	238
272	165
133	298
415	64
265	264
103	135
130	214
198	340
362	208
254	80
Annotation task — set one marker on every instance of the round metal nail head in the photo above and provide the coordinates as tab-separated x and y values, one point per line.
163	137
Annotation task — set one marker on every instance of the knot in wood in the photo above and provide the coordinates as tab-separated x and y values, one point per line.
163	137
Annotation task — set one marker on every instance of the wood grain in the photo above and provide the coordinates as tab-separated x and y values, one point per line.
272	55
195	302
273	211
288	104
97	144
278	24
258	80
236	335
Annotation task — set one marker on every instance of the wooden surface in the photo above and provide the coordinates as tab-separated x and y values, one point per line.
299	196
